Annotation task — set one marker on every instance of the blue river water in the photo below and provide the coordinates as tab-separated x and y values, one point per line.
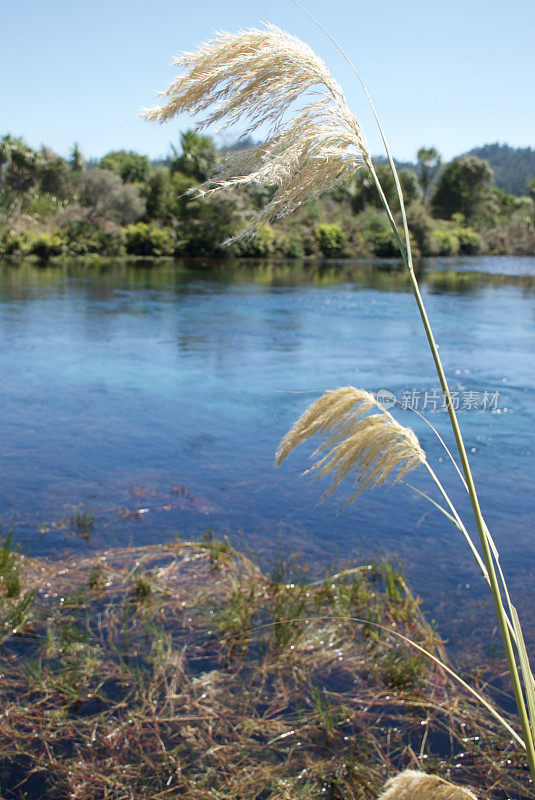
154	396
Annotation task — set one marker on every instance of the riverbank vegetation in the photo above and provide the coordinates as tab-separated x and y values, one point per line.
123	204
183	669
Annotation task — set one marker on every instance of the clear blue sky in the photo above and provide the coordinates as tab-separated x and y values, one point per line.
447	74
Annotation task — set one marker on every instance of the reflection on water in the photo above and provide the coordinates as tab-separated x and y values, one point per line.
155	396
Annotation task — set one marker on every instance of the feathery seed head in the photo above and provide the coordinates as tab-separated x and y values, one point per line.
413	785
257	76
371	446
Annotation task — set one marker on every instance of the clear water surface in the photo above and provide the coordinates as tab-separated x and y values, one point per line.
154	397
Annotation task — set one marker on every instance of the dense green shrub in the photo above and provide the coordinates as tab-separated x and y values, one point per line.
41	205
129	166
377	233
209	222
330	238
469	241
463	186
148	240
260	246
15	244
447	242
294	248
47	245
366	194
421	227
166	196
55	175
198	158
386	245
83	239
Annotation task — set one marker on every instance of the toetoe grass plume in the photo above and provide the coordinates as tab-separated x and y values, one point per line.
256	77
370	446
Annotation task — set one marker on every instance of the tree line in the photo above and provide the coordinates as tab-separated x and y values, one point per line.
124	204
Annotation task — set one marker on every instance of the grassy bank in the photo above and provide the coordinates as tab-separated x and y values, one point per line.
310	235
183	670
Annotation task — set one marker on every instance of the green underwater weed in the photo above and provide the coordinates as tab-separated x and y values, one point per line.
9	567
196	709
83	522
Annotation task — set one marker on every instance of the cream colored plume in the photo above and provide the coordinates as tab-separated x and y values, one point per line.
370	446
256	77
412	785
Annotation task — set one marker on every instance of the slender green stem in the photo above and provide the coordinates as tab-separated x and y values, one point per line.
405	249
442	442
503	620
474	500
458	521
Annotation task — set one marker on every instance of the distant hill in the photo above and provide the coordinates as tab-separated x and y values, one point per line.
513	167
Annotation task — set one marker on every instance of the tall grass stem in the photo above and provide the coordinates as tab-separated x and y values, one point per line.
405	250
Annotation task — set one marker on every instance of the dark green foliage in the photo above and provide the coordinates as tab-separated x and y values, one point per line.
294	248
505	207
77	161
366	192
84	239
19	164
421	226
260	195
157	194
446	242
148	240
55	175
47	245
377	232
129	166
209	222
469	239
410	186
166	195
260	246
330	239
402	671
142	585
198	157
16	244
463	186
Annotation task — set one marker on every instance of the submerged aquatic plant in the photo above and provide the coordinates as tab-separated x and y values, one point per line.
222	685
260	76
